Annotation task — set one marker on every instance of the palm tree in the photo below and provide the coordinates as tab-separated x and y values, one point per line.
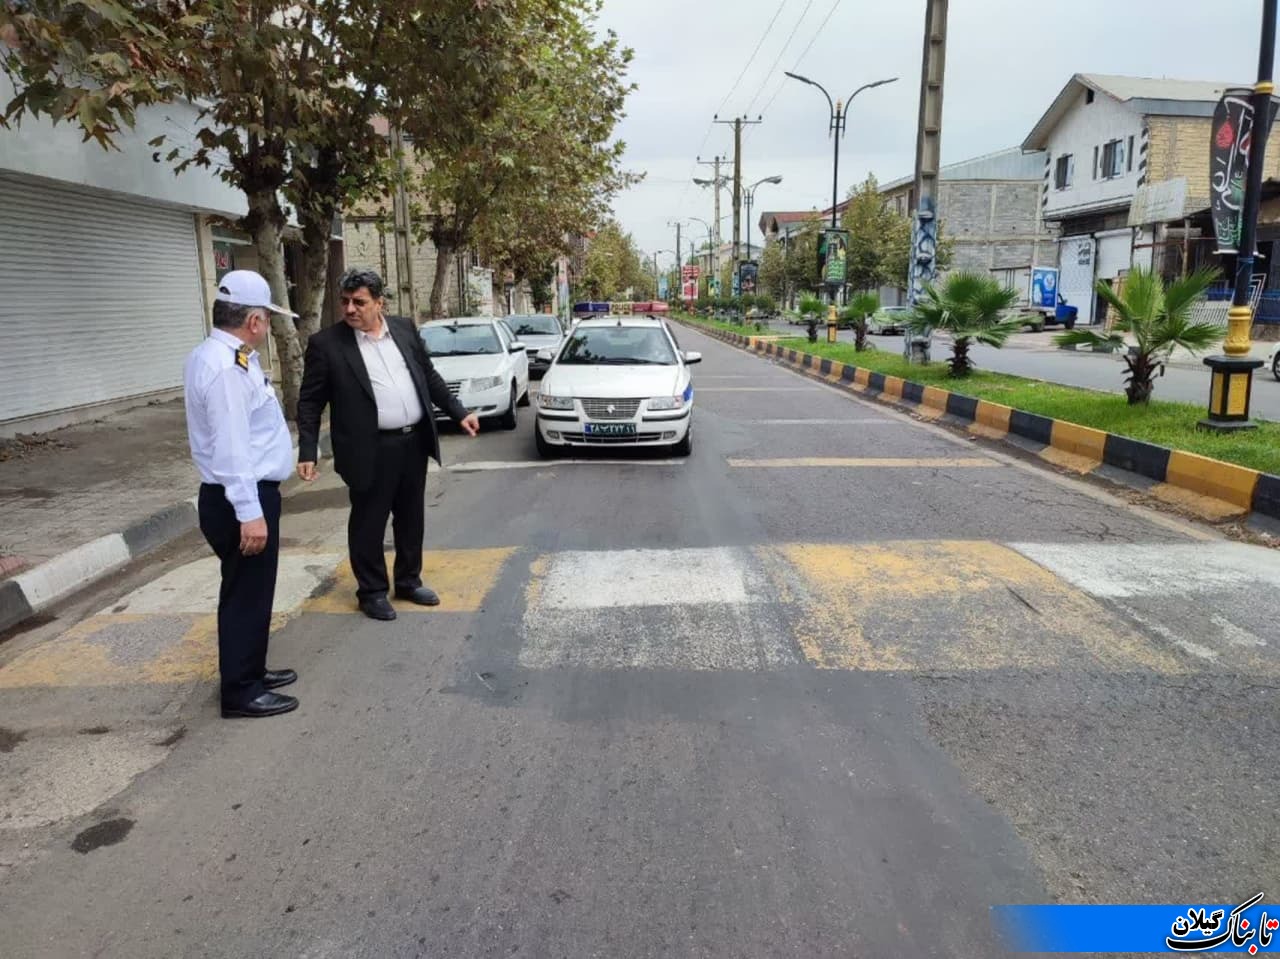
859	308
971	307
1159	318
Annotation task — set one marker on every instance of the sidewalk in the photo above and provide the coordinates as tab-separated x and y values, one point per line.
1043	342
80	502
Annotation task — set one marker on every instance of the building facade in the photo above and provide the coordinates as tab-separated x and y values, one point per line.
1126	167
989	209
109	262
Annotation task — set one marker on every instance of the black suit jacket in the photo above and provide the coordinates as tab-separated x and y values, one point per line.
335	376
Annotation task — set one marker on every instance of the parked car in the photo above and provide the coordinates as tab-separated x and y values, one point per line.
889	320
538	332
485	367
619	381
1273	361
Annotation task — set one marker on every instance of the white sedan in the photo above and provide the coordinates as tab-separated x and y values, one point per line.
486	369
620	381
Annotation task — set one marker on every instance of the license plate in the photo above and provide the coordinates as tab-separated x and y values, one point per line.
610	429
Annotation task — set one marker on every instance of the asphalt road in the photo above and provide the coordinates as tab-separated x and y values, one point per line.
833	686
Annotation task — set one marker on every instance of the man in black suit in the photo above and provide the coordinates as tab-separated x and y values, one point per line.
376	377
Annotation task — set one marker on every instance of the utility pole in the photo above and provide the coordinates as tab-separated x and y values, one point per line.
738	123
924	234
407	306
716	183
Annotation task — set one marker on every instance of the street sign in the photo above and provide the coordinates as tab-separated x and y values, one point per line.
748	274
1229	163
689	282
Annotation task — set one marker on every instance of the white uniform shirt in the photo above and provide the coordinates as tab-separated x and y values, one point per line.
234	423
393	389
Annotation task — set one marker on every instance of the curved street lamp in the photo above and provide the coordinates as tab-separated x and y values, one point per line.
839	113
749	194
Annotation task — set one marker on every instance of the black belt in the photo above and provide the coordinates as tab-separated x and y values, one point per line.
400	431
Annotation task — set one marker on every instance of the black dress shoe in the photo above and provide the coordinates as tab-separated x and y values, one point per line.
420	595
378	607
267	704
275	678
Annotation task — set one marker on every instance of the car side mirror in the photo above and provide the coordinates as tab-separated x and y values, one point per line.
544	355
517	347
691	356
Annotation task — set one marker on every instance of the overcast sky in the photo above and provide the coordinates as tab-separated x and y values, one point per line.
1006	61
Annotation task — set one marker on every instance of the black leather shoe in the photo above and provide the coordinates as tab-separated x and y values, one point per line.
420	595
267	704
378	607
275	678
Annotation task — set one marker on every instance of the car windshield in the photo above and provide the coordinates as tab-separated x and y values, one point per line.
461	340
541	325
619	346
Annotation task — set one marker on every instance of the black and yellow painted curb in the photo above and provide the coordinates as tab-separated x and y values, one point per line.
1210	488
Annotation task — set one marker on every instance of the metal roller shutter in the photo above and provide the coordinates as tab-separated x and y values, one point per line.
102	297
1114	254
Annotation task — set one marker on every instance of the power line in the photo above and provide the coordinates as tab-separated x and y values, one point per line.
778	59
800	59
750	60
734	89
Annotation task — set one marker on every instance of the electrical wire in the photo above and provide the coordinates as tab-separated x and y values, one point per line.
800	60
778	59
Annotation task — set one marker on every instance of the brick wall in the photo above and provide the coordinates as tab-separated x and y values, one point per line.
1179	147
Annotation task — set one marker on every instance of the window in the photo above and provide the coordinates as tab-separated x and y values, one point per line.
620	346
1088	96
1095	163
1130	157
1063	172
450	340
1113	159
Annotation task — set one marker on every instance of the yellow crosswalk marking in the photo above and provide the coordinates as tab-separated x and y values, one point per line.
950	606
462	577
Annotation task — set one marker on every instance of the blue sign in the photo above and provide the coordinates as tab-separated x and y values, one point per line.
662	287
1044	286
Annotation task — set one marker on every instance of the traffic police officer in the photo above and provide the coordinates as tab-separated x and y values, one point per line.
241	446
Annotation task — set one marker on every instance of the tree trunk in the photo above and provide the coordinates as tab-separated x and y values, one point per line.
266	221
960	356
314	279
860	334
1140	385
444	259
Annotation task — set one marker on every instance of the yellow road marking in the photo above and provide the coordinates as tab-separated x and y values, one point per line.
951	605
872	462
462	577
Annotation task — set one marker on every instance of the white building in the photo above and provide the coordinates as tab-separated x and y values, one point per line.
108	262
1107	141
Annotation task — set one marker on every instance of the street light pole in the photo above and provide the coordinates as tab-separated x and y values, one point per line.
1232	376
839	112
750	195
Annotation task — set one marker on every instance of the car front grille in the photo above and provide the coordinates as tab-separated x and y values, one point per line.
600	409
611	440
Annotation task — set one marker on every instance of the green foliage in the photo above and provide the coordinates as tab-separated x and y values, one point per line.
614	266
856	313
971	307
1158	318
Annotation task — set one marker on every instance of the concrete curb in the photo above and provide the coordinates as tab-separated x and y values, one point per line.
1212	489
29	592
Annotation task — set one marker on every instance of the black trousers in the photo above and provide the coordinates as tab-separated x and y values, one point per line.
248	590
399	483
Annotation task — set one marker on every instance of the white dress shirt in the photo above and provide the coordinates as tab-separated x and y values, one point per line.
393	389
234	423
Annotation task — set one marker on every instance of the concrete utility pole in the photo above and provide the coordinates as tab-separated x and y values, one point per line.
924	234
407	305
716	183
738	123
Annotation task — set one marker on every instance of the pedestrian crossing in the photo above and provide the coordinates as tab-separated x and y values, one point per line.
888	606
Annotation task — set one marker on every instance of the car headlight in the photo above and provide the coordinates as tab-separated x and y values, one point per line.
666	403
480	384
555	402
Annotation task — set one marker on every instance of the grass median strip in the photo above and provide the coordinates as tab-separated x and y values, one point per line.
1172	425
